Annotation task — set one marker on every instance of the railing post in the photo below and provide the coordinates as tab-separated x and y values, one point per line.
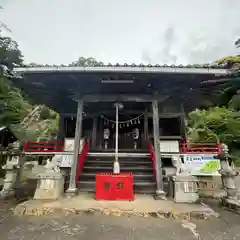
72	189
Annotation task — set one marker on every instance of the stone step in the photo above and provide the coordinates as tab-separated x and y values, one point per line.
110	163
112	158
136	177
136	190
142	150
122	168
139	187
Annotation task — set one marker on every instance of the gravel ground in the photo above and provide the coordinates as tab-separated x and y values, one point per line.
106	227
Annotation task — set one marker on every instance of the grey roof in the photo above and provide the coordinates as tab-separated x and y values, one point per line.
195	69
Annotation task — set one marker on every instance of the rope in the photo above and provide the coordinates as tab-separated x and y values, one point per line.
122	122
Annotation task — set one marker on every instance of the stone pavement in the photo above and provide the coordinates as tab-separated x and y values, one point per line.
102	227
143	205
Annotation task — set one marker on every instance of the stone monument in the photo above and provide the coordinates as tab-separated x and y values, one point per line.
11	167
185	185
50	183
228	178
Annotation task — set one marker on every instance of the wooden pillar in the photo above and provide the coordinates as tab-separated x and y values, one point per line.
94	131
100	135
146	124
61	130
160	194
72	189
182	122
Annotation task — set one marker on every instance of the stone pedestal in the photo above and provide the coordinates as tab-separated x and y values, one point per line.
185	189
50	185
11	168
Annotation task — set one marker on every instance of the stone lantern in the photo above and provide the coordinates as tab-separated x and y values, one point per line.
12	168
228	177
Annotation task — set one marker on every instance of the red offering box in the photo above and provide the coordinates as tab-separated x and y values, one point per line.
111	186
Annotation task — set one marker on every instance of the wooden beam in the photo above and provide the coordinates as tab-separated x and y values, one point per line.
94	131
123	98
130	112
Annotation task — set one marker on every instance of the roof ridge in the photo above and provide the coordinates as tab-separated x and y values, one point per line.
210	65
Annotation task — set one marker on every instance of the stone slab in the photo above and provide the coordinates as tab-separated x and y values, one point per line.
49	188
143	205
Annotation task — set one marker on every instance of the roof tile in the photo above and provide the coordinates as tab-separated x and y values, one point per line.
212	65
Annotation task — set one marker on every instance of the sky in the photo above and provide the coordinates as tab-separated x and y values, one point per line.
123	31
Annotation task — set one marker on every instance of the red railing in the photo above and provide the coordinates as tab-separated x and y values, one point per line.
51	146
82	157
200	148
153	158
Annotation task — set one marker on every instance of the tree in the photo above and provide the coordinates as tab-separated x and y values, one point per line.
10	55
86	62
215	124
237	42
2	25
13	107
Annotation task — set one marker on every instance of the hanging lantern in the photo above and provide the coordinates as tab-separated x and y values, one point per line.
138	121
127	124
120	126
131	121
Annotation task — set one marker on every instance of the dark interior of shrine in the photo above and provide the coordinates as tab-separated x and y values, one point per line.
169	128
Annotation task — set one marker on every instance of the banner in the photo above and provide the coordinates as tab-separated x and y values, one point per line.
202	164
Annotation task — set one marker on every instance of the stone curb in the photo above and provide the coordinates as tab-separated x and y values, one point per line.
22	210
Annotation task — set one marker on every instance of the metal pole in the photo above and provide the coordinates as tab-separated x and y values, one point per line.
78	134
159	193
116	140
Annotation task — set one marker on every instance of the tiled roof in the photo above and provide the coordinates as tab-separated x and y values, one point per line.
212	65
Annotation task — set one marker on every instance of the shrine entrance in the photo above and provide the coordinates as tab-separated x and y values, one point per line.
130	133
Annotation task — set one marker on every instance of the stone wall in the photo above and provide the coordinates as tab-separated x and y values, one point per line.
210	186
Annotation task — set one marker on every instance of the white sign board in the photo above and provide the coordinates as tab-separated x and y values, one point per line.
66	161
202	164
167	146
69	145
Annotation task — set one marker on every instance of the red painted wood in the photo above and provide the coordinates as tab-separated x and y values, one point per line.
153	159
48	146
200	148
82	157
111	186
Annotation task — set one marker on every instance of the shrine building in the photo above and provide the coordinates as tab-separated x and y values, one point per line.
122	110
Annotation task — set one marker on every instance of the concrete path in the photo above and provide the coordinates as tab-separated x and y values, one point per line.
109	227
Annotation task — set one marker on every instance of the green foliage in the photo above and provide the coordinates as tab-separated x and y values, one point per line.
86	62
229	59
13	107
237	42
10	54
215	124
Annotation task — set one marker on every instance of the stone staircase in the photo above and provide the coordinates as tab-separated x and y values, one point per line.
139	165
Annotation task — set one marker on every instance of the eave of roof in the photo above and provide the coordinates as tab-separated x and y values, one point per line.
191	69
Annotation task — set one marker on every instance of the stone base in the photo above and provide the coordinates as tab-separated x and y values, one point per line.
231	204
160	195
185	189
71	192
6	194
143	205
50	186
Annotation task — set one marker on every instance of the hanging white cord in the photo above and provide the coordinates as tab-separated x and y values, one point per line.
122	122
